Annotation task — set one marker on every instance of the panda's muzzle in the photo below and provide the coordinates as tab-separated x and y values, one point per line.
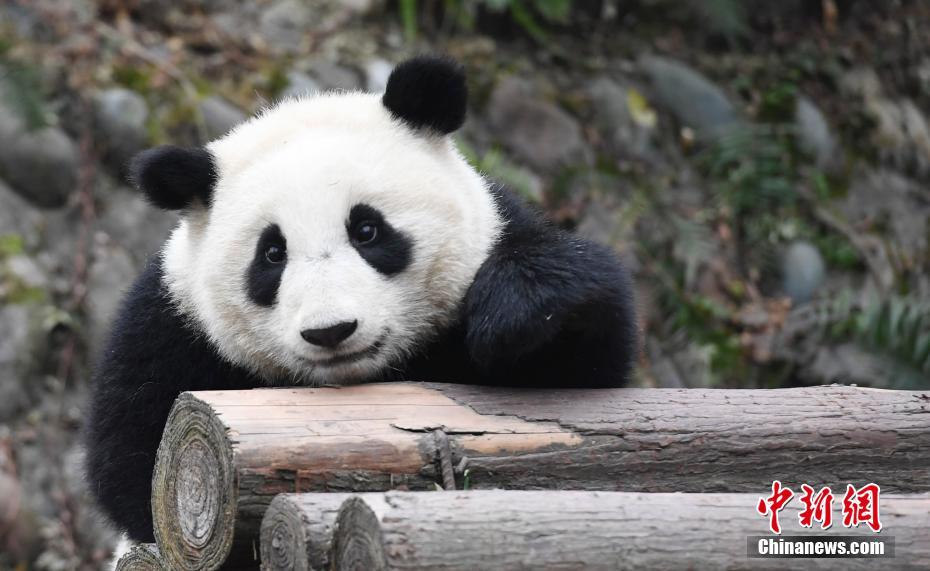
347	358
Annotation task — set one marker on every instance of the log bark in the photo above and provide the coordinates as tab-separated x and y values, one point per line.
142	557
297	531
562	530
226	454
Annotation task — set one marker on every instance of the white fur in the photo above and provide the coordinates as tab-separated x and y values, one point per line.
121	549
302	165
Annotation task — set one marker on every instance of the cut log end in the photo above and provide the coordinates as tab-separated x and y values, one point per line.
357	540
283	543
143	557
194	493
297	531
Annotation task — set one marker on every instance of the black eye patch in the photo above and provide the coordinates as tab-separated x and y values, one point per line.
264	274
385	248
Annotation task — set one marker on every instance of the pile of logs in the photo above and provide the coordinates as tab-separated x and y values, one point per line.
351	478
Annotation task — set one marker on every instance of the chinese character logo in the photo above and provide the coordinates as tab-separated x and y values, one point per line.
774	504
816	508
861	506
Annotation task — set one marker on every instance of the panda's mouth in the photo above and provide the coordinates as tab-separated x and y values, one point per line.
347	358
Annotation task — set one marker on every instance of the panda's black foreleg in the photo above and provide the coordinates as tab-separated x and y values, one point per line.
152	356
549	309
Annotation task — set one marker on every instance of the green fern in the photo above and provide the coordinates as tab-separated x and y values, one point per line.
22	91
896	326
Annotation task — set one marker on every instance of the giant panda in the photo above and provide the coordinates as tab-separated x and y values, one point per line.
339	239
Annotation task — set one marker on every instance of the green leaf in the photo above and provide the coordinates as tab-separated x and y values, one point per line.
408	17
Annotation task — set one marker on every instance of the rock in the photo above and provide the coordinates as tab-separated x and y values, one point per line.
300	85
536	131
861	82
16	322
624	133
41	165
815	137
120	118
220	116
20	218
377	72
901	135
109	276
333	76
691	98
889	200
136	226
847	363
284	25
803	272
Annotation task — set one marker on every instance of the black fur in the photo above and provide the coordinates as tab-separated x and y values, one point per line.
174	178
391	252
545	309
428	92
152	356
263	277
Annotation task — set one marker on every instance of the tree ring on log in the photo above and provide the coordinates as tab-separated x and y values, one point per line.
357	540
142	557
195	495
283	544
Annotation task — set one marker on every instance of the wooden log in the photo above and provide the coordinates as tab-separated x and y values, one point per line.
559	530
226	454
142	557
297	531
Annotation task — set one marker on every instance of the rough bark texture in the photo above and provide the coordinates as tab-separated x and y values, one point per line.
142	557
503	530
226	454
297	531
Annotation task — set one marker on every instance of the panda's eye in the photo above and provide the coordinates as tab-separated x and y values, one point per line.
275	254
364	232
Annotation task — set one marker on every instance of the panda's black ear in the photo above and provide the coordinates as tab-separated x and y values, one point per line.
428	93
174	178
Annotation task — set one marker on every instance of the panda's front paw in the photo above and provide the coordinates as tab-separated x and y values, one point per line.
511	311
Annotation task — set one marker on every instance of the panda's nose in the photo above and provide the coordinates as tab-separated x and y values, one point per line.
330	336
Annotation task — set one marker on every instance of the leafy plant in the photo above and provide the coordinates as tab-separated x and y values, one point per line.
897	326
463	13
21	89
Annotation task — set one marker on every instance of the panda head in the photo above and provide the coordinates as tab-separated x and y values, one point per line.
330	236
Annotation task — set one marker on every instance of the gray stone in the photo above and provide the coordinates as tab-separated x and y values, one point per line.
902	133
135	225
377	72
611	109
894	201
121	115
16	321
536	131
284	25
332	76
220	116
815	136
803	271
861	82
691	98
19	217
108	277
300	85
41	165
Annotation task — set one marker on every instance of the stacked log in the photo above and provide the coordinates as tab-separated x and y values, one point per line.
226	454
515	530
143	557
